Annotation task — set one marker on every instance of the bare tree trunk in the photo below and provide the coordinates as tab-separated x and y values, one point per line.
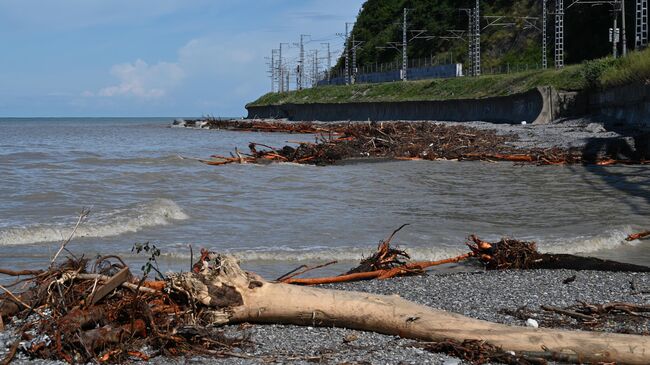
236	296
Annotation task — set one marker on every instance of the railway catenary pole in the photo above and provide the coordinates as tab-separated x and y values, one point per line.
544	34
559	34
477	39
405	46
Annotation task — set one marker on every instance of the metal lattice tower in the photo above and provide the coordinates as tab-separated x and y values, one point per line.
354	61
615	32
347	55
641	35
329	61
281	71
300	75
470	43
544	33
316	68
559	33
405	47
355	46
274	69
477	40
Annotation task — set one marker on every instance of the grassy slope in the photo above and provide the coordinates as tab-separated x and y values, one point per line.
602	73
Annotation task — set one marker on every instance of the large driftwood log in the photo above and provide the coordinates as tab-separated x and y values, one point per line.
232	295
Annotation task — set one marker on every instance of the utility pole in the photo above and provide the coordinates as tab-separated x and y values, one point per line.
559	34
315	69
544	31
329	61
614	33
355	46
641	33
623	30
301	63
281	71
405	46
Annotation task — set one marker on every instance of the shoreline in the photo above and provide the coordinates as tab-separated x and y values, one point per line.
477	294
586	140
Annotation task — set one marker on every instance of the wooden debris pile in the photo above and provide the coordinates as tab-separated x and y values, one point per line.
267	126
480	352
105	315
386	263
398	141
615	317
597	315
506	254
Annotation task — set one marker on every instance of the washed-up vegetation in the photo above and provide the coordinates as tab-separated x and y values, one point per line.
80	311
337	142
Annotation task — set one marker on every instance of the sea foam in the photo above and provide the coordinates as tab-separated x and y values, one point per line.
158	212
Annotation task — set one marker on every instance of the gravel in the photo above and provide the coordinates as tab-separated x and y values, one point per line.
564	133
480	294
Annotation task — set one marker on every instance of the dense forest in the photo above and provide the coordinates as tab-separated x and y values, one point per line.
586	31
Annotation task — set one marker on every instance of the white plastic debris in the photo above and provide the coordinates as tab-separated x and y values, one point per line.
532	323
523	122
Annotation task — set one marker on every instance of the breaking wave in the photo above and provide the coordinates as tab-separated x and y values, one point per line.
609	240
614	239
158	212
341	254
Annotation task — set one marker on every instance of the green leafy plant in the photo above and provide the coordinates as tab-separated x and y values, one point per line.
152	262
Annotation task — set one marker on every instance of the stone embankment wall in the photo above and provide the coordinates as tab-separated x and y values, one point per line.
629	105
626	105
536	106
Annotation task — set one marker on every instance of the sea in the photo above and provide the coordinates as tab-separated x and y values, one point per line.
141	182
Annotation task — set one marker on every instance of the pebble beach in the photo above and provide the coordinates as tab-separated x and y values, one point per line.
486	295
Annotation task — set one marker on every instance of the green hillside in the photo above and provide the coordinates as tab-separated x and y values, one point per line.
379	22
596	74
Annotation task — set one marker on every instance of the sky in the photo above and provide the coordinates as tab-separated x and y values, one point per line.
152	57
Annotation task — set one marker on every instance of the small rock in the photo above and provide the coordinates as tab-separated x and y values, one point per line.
350	338
451	362
595	128
179	123
532	323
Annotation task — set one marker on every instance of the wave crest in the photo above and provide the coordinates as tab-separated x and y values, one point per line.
132	219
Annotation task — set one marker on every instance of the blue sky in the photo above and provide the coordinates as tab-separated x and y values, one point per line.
151	57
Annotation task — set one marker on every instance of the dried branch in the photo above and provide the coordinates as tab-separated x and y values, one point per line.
83	215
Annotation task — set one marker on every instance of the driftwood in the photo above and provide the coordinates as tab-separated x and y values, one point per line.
638	236
105	316
398	141
246	297
507	254
109	315
514	254
386	263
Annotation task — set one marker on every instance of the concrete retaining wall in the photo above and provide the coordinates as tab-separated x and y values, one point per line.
536	106
629	105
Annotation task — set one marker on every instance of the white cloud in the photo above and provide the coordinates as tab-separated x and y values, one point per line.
141	80
216	55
